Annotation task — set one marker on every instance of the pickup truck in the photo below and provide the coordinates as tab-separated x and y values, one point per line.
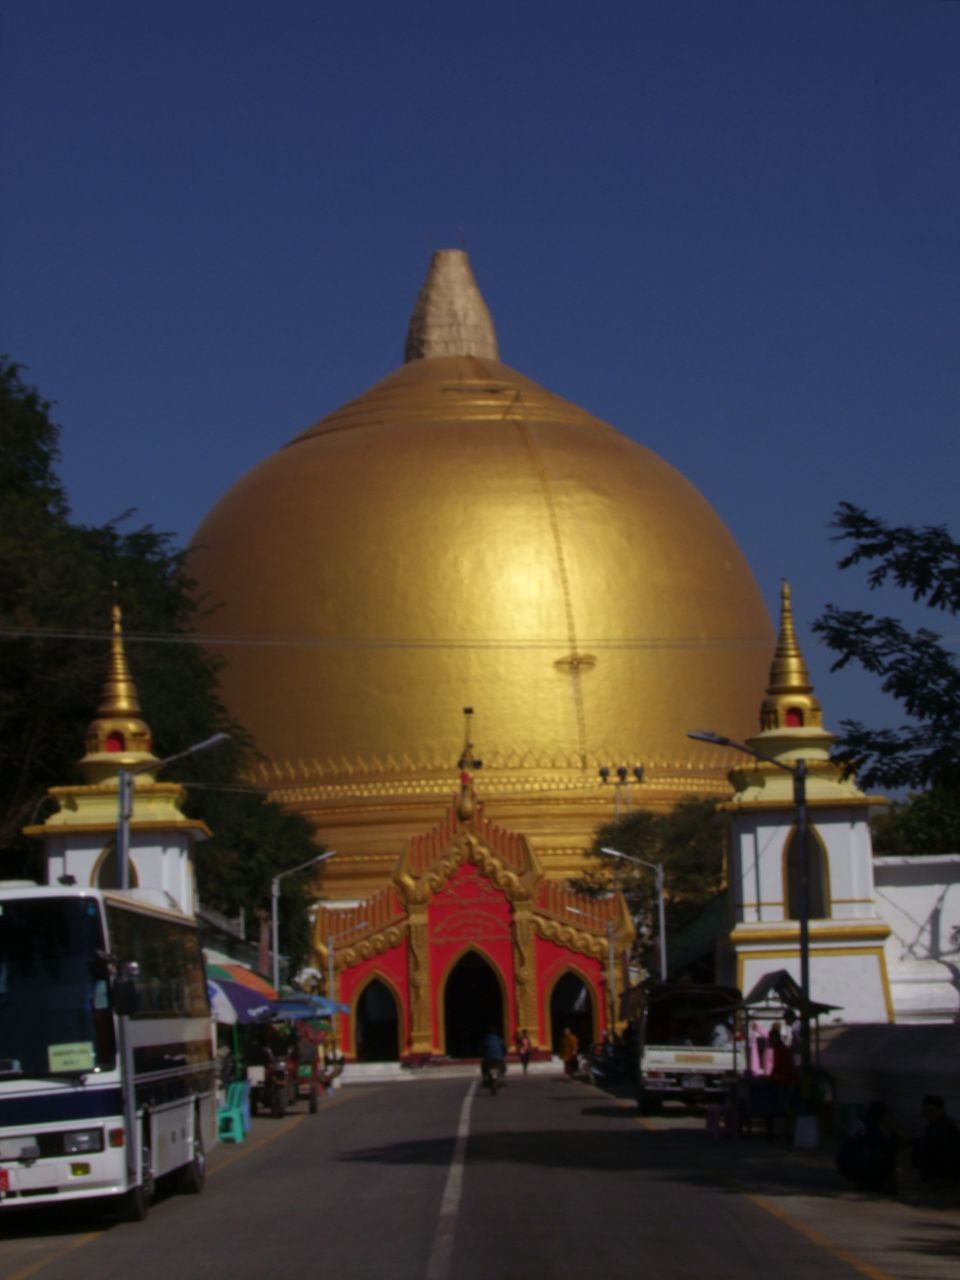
687	1049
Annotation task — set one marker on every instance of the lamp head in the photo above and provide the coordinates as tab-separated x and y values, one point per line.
707	735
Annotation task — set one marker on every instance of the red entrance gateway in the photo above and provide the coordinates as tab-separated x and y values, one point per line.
470	934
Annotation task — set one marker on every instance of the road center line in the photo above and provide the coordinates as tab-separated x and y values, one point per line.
439	1265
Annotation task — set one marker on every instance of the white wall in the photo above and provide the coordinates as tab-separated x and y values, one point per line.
919	898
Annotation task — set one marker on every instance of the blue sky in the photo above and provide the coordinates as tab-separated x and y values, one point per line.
728	227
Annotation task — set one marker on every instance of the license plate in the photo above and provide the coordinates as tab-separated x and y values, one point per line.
4	1181
694	1082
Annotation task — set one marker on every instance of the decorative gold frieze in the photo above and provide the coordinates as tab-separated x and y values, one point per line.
573	939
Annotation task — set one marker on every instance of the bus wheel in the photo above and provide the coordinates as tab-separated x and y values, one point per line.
192	1176
135	1203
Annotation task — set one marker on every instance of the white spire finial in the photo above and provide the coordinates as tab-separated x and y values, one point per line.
450	317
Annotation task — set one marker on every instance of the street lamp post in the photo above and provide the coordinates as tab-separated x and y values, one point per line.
657	869
611	976
332	982
799	772
275	911
125	792
611	968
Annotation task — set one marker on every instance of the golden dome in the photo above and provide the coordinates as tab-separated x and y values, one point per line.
459	536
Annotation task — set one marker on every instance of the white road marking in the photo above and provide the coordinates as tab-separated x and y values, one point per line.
438	1267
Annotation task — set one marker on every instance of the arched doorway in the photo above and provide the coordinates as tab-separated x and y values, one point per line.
378	1024
472	1004
571	1005
818	894
106	869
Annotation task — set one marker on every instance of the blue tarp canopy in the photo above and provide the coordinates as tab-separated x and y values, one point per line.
292	1008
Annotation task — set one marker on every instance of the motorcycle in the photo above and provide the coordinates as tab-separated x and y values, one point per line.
492	1072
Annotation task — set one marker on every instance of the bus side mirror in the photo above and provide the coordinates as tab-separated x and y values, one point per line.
126	1001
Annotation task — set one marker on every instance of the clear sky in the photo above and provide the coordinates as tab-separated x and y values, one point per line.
728	227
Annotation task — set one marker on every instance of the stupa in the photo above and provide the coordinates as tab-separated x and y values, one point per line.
458	537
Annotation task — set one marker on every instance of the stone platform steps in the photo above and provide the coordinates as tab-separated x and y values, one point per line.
394	1072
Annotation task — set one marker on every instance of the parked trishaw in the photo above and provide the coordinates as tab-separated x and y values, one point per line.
271	1069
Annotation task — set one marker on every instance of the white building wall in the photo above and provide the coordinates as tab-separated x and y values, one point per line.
851	981
159	860
919	898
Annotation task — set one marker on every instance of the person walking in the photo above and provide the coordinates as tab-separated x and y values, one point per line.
569	1051
524	1049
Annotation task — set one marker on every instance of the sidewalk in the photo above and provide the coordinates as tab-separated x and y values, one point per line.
914	1235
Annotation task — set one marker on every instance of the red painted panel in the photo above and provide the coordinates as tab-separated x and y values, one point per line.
553	961
391	967
469	912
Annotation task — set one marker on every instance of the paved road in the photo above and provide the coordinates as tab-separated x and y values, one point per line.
430	1180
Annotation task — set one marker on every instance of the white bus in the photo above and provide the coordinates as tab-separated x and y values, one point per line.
107	1068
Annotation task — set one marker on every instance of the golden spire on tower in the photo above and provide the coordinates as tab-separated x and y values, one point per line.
119	696
790	702
118	737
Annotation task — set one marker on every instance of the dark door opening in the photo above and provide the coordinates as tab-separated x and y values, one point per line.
472	1005
571	1005
378	1030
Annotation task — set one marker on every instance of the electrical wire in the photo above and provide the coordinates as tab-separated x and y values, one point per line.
349	642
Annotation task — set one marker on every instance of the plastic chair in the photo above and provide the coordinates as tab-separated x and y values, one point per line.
244	1088
230	1126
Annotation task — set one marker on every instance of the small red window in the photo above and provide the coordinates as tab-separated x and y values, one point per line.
794	718
115	741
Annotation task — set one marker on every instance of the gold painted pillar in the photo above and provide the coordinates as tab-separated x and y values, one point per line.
421	1024
525	976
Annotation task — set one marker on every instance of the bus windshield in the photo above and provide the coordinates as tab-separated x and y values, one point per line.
55	1017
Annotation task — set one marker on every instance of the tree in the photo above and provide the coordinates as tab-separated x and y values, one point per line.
689	841
913	666
928	822
916	668
58	580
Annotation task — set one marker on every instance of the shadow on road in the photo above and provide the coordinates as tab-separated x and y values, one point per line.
74	1218
681	1155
